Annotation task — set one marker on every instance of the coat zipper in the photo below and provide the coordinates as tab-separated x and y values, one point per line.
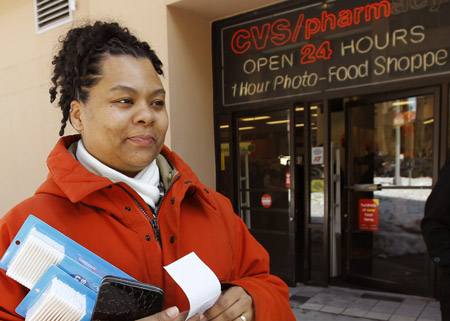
158	206
153	221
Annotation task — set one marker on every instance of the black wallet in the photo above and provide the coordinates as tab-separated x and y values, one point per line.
121	299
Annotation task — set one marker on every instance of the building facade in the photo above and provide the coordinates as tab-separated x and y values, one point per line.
325	123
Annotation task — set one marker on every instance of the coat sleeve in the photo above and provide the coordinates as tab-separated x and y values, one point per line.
435	225
252	272
11	292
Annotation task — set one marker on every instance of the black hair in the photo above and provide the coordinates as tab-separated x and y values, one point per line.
77	64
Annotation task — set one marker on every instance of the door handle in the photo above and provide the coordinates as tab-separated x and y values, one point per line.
365	187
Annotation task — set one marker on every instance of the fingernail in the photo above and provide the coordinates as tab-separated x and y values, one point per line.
172	312
203	318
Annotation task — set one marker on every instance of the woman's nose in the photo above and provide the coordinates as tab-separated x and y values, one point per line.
144	114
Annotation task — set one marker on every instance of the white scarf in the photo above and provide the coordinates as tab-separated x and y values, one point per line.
145	183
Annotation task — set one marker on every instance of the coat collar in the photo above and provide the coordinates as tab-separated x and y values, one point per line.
68	178
66	173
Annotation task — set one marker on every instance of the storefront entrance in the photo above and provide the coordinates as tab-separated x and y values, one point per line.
389	145
342	209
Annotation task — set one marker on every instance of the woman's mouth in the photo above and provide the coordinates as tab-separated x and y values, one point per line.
142	140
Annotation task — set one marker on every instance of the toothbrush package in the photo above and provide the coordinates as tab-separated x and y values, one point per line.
67	280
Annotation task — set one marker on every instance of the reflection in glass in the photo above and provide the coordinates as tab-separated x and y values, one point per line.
393	142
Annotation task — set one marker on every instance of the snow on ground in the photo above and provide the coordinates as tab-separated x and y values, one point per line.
401	211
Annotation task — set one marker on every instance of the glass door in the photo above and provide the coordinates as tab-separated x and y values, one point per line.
390	149
265	189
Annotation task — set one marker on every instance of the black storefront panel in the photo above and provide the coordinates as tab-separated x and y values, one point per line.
291	49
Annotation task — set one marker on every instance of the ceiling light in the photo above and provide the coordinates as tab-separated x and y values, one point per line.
277	122
255	118
401	103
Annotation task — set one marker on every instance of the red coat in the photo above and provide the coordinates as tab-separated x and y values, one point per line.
107	219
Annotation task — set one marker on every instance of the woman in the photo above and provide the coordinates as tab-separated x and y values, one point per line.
118	191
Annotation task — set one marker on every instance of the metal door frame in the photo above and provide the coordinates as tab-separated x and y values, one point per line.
306	225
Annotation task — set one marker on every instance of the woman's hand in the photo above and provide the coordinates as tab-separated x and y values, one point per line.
231	305
171	314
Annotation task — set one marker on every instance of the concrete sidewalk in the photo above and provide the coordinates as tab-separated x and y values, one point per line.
339	304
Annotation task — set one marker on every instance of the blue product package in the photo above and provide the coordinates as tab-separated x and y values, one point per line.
80	263
35	301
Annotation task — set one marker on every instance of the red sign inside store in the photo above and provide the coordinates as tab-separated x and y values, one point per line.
369	210
266	200
288	179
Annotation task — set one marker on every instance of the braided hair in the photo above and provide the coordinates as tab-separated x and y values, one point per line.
77	64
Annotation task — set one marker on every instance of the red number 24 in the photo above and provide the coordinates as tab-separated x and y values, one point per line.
310	54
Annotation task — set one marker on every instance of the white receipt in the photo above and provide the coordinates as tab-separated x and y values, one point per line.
199	283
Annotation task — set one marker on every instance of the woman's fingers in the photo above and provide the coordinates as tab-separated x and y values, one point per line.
170	314
231	305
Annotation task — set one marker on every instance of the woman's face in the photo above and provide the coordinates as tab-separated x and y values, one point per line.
124	121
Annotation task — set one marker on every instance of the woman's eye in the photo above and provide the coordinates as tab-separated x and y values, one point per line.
158	103
125	101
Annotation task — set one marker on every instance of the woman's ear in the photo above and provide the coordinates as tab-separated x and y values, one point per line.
76	115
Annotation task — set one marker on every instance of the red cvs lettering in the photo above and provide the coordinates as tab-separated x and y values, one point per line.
281	31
